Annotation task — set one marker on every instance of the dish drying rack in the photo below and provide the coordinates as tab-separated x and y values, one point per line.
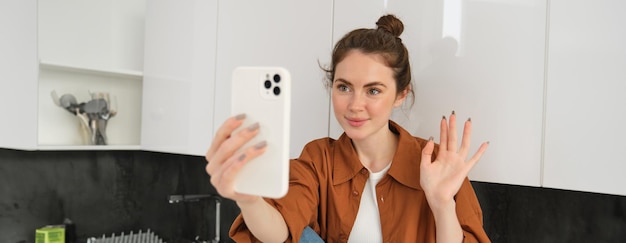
132	237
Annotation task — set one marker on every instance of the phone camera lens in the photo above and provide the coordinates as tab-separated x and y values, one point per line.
267	84
276	90
276	78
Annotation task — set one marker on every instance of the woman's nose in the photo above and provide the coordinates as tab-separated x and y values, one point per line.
357	102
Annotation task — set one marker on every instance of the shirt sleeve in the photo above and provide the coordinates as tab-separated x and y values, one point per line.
470	214
299	206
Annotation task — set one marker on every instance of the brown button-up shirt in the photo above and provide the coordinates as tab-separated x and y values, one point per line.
326	184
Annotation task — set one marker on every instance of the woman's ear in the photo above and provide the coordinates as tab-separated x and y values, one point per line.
400	97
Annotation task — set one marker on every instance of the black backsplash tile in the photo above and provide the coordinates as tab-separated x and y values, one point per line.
530	214
107	192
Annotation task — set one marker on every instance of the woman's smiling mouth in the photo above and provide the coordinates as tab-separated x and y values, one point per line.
356	122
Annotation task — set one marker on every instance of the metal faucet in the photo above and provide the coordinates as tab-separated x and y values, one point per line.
195	198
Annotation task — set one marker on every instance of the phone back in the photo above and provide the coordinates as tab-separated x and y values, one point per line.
264	95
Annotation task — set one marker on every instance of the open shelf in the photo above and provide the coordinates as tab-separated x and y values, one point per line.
61	130
127	74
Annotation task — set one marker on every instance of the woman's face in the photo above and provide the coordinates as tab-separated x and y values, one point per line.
364	95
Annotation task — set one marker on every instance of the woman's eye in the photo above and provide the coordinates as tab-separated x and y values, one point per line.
343	88
374	91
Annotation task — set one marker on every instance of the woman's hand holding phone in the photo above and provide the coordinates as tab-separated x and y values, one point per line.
223	160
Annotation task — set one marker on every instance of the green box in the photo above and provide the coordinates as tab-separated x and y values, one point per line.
50	234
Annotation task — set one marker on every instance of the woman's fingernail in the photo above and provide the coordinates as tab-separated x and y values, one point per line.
469	119
431	138
452	112
242	157
444	117
253	127
240	116
260	145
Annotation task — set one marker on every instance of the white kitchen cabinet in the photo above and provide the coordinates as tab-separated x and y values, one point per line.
84	48
192	48
292	34
173	109
47	46
585	112
18	74
483	59
179	76
106	35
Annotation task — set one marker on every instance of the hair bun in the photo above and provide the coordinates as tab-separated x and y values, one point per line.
390	24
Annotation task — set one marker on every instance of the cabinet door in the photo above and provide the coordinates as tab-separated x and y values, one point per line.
18	74
483	59
102	35
585	112
179	74
292	34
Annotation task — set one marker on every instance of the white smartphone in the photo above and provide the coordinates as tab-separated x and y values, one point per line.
264	95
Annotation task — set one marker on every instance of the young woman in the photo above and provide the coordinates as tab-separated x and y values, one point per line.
376	183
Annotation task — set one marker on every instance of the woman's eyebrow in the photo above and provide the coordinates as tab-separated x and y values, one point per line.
343	81
375	83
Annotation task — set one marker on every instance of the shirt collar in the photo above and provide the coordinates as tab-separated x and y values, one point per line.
405	166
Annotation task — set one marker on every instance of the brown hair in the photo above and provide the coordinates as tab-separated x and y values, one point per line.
384	40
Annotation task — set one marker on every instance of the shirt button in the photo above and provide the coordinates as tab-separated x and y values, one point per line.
363	171
355	193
